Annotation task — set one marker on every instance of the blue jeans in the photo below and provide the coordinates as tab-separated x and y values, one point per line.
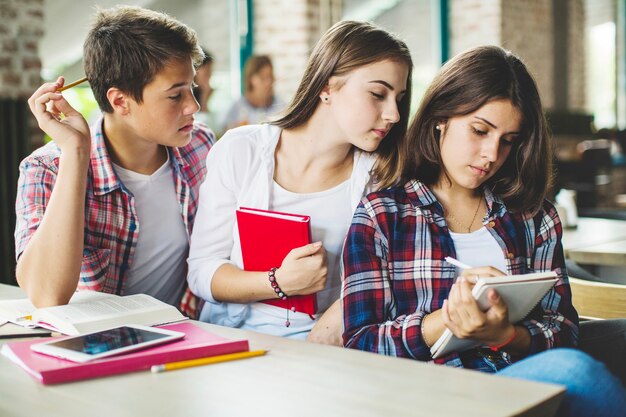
591	389
605	340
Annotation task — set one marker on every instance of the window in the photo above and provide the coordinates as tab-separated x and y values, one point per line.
603	71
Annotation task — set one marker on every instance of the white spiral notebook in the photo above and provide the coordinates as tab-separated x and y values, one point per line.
521	293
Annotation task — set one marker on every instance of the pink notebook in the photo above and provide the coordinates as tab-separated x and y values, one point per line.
197	343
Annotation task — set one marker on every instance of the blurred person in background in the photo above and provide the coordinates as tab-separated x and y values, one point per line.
258	103
203	90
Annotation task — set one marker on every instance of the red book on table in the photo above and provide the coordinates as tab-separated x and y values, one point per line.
266	238
198	343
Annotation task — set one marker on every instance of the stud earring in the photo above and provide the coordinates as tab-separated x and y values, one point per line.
325	99
438	127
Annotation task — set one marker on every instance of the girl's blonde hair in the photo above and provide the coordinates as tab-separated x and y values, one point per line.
346	46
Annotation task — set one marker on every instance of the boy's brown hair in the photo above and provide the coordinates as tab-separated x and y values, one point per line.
466	83
128	46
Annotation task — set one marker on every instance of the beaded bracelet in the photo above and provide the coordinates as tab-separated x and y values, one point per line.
280	293
274	284
508	341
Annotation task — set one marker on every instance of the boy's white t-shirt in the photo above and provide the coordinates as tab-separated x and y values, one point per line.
331	215
159	264
478	248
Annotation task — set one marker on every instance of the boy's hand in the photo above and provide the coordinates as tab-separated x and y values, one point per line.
303	270
462	315
69	131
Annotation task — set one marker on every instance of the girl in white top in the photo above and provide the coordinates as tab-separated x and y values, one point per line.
339	135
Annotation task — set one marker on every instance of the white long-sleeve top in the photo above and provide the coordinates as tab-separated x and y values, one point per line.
240	172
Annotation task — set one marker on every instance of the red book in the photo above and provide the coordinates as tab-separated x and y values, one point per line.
266	238
198	343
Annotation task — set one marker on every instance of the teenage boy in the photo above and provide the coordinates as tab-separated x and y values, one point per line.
112	211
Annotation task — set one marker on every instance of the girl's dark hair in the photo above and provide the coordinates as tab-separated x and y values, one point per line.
466	83
346	46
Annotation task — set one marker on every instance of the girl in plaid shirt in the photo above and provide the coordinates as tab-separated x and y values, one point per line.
475	174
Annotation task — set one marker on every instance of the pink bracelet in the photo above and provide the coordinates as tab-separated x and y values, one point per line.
274	284
499	347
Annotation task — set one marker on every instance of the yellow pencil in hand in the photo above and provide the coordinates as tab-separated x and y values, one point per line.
206	361
70	85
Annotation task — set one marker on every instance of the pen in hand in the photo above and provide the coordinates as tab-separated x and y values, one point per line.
456	263
70	85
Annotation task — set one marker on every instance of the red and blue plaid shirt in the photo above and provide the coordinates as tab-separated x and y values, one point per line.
110	217
395	271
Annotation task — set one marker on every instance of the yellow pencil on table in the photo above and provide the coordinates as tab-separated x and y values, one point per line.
70	85
206	361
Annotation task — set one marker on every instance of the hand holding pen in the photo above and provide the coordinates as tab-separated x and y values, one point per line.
456	263
471	273
461	314
70	85
58	118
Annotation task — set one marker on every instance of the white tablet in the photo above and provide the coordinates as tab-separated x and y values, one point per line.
106	343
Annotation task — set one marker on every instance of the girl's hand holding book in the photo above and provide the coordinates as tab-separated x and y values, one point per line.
462	315
303	270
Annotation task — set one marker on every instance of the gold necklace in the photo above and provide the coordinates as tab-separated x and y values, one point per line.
458	223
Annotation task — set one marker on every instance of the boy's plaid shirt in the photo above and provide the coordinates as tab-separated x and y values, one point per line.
110	217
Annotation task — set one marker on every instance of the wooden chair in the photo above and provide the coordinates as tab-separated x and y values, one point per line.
598	300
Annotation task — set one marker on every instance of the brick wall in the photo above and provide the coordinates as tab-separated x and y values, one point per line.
576	73
287	30
214	33
473	23
527	32
525	28
21	23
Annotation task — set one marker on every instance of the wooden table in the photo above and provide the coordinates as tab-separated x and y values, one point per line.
604	254
294	379
596	242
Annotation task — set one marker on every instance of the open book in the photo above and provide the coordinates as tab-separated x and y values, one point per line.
521	293
91	311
